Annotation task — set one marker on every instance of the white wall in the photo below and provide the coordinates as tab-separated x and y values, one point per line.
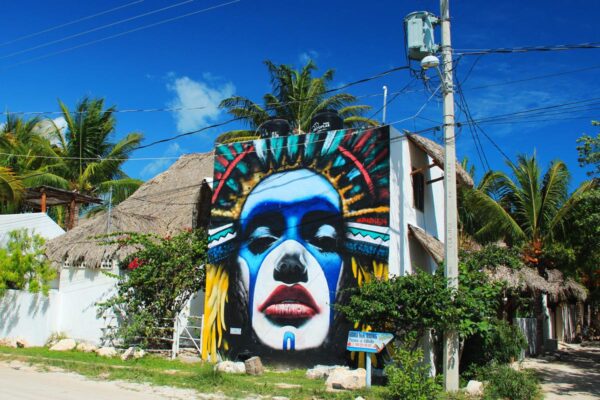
405	252
70	310
80	290
32	317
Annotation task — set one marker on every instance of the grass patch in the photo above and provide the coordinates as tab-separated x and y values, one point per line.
200	377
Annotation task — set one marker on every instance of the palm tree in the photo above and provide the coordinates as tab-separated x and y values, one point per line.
296	97
81	159
11	188
531	209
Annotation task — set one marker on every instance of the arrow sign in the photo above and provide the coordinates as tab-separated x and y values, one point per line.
369	342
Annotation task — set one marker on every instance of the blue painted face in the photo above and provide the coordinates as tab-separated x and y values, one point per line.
291	230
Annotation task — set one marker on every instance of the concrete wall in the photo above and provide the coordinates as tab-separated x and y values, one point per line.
32	317
71	309
80	290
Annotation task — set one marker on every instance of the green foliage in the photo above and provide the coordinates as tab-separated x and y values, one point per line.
296	96
506	383
492	256
411	305
589	152
23	265
409	377
161	276
503	343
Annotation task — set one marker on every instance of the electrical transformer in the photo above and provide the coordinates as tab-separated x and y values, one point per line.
420	40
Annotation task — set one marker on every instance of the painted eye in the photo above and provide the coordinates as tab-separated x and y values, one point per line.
260	240
325	239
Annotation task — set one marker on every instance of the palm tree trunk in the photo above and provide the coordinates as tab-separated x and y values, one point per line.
73	216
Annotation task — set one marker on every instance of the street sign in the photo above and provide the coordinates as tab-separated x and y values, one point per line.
368	342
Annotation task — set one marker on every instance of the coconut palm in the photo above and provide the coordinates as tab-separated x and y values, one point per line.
296	96
82	158
11	187
530	208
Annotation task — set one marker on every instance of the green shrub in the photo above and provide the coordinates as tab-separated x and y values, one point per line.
408	377
503	343
506	383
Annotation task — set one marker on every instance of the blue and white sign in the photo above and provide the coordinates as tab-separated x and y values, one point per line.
368	342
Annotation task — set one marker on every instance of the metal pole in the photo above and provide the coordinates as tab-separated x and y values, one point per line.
385	89
368	363
451	342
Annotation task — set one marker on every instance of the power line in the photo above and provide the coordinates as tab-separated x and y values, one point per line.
53	28
173	109
363	80
507	50
98	28
534	78
161	22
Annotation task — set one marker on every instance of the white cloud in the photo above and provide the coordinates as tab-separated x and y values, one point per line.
305	56
191	95
173	151
47	126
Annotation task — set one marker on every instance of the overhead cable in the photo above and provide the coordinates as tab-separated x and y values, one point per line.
53	28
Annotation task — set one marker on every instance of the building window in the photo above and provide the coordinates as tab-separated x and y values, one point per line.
418	180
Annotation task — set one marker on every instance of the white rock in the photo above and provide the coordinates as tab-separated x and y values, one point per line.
474	388
359	398
8	342
106	352
86	347
128	354
231	367
280	398
322	371
341	378
64	345
139	353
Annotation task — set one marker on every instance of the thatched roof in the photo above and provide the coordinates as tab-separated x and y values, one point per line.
528	279
164	205
436	152
431	244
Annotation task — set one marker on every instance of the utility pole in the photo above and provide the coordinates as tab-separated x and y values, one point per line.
451	342
385	90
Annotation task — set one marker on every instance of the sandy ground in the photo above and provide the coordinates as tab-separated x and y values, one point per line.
573	374
19	380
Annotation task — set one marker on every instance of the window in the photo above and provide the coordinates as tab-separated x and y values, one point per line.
418	180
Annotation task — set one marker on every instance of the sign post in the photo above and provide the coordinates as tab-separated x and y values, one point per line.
368	343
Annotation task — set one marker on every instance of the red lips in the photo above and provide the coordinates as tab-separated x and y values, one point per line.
289	303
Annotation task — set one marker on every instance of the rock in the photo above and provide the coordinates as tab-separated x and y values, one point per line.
230	367
359	398
106	352
322	371
280	398
128	354
254	366
64	345
139	353
87	347
474	388
341	378
287	385
21	343
8	342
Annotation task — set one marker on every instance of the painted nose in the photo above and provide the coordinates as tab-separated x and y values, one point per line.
290	270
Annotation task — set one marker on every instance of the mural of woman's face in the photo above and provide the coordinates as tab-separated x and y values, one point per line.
289	258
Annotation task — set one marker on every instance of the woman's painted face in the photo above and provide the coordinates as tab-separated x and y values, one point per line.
289	258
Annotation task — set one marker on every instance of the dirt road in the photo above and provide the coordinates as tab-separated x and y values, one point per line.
21	381
573	374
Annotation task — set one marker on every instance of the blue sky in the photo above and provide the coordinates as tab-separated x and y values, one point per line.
200	59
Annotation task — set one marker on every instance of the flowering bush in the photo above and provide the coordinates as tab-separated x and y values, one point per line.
157	281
